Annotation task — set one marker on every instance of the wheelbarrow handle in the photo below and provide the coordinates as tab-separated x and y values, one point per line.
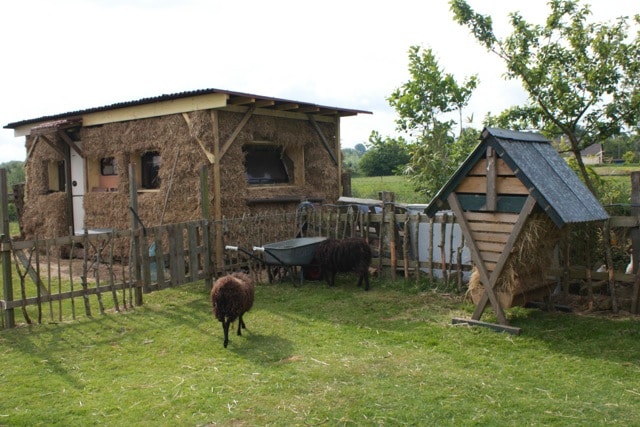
258	249
231	248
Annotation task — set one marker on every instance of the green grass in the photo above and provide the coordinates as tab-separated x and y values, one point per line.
316	355
369	187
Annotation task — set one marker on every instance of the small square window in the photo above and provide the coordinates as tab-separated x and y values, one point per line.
108	166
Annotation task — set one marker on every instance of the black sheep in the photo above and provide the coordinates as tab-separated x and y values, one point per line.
231	297
340	256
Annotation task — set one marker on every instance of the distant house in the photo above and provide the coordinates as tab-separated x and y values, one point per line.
260	154
593	154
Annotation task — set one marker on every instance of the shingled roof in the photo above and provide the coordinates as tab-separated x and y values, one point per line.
552	183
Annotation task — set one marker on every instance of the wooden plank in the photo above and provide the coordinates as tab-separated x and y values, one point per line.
490	256
504	185
210	156
491	227
235	132
61	296
192	233
324	140
480	168
491	237
498	328
490	247
510	218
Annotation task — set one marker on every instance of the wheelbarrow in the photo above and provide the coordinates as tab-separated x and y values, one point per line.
286	254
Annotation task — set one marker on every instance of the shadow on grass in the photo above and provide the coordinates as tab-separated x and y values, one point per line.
390	306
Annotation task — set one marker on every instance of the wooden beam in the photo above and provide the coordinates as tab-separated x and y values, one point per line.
70	142
236	132
323	139
240	100
309	109
261	103
217	194
502	185
53	145
479	262
211	157
33	146
287	106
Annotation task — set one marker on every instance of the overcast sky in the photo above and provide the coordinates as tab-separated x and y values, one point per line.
66	55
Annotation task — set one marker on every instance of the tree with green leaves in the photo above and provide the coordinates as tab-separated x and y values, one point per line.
422	104
385	156
581	77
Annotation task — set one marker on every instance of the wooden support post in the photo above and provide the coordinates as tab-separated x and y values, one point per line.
9	315
217	195
389	225
492	196
135	226
206	235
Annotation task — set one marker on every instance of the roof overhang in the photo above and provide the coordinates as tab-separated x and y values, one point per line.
184	102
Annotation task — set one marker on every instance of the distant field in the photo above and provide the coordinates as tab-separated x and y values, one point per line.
369	187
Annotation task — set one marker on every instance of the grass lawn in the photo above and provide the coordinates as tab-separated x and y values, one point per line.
368	187
316	355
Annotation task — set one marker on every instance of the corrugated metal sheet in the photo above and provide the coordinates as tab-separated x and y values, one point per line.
306	106
556	188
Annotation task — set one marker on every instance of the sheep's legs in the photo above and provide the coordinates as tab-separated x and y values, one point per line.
241	325
364	276
225	328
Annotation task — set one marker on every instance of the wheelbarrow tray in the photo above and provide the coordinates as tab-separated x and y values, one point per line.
298	251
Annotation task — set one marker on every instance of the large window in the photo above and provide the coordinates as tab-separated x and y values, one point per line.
150	168
267	164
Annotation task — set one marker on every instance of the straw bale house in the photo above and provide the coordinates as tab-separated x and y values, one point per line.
259	154
512	197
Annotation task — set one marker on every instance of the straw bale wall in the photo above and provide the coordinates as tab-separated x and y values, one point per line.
45	211
178	198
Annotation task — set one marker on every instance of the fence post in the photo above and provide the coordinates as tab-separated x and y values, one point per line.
9	316
389	236
635	238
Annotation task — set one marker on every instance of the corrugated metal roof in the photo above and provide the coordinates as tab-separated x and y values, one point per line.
556	188
276	104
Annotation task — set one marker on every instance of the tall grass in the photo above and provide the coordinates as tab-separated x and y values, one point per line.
315	355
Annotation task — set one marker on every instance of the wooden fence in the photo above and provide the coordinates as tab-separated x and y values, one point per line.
110	270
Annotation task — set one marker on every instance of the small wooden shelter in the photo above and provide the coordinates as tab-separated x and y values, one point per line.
508	181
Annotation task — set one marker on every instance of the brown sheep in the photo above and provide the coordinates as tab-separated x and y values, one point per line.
231	297
340	256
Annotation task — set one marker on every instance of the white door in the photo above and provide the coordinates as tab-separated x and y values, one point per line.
77	190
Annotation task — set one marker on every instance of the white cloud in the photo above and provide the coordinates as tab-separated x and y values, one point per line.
74	54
